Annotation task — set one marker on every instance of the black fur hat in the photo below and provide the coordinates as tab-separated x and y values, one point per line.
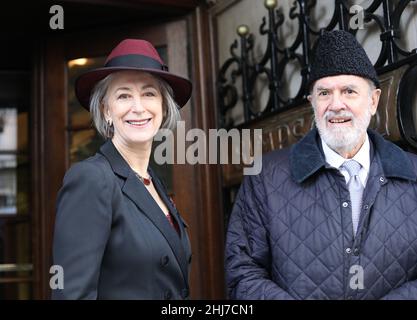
338	52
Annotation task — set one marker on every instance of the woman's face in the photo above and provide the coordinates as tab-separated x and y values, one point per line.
134	105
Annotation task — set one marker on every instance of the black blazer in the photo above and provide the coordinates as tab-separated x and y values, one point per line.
112	239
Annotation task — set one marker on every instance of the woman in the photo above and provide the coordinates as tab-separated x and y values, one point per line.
117	234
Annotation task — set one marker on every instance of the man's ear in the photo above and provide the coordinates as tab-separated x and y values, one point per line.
309	98
376	94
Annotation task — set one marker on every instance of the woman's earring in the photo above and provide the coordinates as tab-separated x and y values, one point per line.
109	129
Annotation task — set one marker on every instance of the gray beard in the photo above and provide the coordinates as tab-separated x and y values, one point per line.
343	140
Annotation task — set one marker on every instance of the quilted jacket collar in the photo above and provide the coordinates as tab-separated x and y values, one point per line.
306	157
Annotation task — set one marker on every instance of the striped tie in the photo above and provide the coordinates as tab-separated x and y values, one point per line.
355	190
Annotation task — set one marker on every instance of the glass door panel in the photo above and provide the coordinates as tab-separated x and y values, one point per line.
15	215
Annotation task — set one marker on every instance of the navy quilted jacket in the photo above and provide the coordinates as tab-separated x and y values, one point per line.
290	233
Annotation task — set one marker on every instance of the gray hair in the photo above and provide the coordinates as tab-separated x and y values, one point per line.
372	86
98	105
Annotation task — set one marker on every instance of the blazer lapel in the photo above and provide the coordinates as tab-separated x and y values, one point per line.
160	188
136	191
174	213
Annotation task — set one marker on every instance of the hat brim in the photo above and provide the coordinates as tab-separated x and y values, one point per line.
86	82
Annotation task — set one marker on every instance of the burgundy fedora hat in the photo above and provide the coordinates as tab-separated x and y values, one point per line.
133	54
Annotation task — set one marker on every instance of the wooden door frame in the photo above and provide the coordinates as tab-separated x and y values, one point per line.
209	207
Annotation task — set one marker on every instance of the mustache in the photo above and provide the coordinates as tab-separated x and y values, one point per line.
332	114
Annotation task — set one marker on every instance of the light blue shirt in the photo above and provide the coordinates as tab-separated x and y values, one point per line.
362	156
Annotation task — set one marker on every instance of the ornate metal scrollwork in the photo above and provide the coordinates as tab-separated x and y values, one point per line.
275	58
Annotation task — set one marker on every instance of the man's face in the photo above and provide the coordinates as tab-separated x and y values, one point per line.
343	106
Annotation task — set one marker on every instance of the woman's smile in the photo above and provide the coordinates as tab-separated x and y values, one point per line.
140	124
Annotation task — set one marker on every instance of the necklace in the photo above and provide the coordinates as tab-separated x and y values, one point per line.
146	181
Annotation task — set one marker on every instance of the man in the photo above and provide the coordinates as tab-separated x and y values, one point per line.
335	216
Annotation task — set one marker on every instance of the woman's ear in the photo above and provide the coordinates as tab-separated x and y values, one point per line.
106	112
164	110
